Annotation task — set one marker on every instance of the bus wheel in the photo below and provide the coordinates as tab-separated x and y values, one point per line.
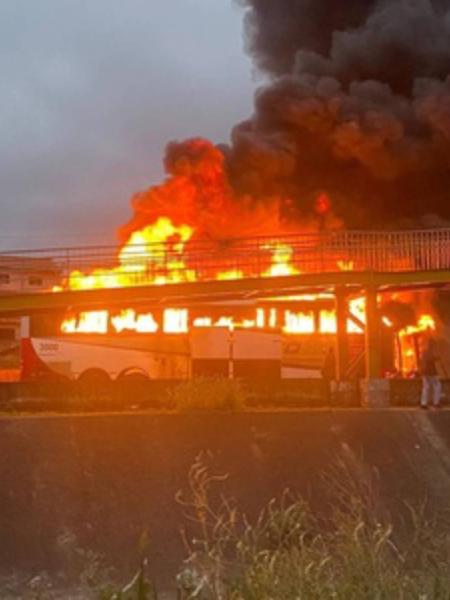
94	383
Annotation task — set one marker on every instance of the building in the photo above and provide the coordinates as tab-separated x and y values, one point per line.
25	275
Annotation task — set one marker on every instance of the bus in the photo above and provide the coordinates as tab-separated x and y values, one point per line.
233	341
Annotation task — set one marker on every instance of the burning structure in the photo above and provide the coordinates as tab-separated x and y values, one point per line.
351	130
300	325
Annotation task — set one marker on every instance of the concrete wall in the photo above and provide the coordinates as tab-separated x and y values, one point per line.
107	478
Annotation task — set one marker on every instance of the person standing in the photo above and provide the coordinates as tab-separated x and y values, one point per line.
431	384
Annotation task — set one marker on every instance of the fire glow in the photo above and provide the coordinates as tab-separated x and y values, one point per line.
177	321
197	203
155	256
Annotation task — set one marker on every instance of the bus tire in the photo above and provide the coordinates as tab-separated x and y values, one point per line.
94	383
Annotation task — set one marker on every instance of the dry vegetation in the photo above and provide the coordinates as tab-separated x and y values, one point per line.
354	552
208	394
290	553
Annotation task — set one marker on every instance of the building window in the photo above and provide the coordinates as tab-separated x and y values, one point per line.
5	278
35	281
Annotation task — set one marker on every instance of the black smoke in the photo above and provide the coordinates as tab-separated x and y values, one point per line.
357	106
276	30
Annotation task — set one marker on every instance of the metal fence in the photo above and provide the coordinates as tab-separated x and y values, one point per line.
323	252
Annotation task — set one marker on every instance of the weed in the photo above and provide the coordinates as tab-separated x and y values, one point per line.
289	553
213	394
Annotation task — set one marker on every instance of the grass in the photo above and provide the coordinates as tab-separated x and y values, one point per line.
356	551
207	394
288	552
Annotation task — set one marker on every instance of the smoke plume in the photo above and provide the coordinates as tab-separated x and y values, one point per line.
352	127
198	192
357	106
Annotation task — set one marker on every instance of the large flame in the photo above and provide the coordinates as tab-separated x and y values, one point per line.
198	203
426	323
281	261
155	256
411	342
129	320
151	256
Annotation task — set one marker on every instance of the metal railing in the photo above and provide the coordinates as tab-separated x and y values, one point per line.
323	252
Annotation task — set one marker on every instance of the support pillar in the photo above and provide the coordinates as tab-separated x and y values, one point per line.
373	332
342	336
231	352
375	390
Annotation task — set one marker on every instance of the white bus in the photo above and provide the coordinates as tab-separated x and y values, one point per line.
242	344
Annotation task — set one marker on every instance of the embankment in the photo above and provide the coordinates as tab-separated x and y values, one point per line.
104	479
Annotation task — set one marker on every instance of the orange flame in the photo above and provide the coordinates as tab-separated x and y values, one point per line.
426	323
129	320
281	266
197	201
176	320
88	322
148	258
299	322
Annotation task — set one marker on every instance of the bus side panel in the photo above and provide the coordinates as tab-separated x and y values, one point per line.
245	353
43	357
31	366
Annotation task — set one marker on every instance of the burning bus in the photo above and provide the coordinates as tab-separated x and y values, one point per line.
285	336
177	343
196	228
278	339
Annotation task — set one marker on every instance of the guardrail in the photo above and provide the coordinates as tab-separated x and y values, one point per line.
323	252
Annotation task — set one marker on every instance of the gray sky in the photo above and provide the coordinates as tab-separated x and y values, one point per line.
92	90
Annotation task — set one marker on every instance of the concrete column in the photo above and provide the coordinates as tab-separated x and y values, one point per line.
317	321
375	391
373	332
342	336
231	340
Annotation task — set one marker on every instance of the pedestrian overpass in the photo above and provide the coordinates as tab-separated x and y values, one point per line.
339	262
